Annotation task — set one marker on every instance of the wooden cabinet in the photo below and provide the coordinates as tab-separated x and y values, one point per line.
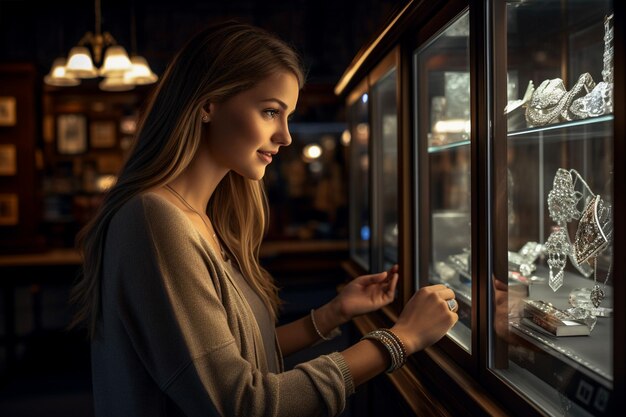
19	200
85	136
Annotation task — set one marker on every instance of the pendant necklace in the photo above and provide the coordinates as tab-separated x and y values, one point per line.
598	294
209	228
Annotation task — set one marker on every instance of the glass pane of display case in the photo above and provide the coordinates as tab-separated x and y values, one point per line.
360	229
385	137
443	128
559	109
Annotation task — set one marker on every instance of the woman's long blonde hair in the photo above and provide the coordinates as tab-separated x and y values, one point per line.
219	62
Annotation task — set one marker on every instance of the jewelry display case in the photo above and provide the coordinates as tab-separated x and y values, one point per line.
372	110
559	162
510	126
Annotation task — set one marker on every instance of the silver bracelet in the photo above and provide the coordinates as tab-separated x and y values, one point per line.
393	344
317	330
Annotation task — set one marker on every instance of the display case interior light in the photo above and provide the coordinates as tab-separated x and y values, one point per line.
452	126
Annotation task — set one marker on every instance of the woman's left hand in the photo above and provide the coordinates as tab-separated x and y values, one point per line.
366	293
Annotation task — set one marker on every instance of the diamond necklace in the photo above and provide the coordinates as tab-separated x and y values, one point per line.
209	228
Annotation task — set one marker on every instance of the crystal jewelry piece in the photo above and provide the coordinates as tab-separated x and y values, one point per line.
531	251
543	100
543	110
593	236
580	298
515	110
524	260
597	295
563	203
563	199
594	230
548	94
558	248
607	70
527	269
585	315
598	102
513	105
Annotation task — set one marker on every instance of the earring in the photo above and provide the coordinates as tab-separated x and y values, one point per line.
205	118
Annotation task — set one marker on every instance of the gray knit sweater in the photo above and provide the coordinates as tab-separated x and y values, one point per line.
177	338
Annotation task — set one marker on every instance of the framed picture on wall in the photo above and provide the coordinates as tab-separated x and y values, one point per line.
8	164
8	115
9	213
71	134
102	134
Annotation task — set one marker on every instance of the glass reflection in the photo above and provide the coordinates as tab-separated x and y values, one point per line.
360	230
385	121
443	114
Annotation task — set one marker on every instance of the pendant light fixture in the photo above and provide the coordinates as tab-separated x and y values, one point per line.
120	72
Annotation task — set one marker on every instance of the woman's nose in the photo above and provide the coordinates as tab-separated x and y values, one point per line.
282	136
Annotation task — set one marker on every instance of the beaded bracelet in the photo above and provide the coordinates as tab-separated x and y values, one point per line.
393	344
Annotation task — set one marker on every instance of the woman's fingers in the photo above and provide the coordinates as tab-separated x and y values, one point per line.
374	278
441	290
391	289
428	315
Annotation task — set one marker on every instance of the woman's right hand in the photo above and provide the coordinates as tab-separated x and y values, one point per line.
426	318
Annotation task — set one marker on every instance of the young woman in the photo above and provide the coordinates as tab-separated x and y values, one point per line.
181	315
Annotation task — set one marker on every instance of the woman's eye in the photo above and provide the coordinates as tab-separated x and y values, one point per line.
271	113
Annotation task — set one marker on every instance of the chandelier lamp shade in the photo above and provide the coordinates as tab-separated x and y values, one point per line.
119	72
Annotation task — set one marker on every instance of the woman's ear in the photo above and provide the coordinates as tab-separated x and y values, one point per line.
207	112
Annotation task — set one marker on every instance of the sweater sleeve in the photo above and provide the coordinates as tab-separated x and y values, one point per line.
175	314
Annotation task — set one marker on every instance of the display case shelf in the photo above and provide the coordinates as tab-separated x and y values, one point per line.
441	148
574	130
591	351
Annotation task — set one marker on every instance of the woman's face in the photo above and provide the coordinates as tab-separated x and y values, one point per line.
247	130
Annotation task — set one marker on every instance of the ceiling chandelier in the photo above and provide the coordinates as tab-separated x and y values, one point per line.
119	72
